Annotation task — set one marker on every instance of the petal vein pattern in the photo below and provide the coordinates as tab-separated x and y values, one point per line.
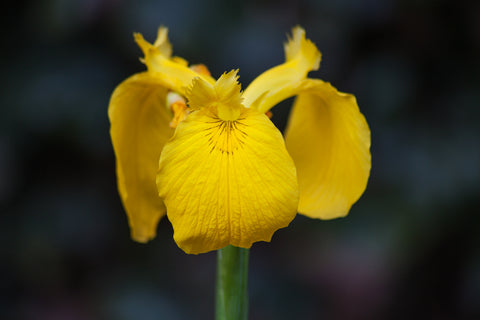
226	182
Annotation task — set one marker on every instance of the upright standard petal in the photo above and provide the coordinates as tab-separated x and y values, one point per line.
329	141
139	130
173	73
226	181
301	55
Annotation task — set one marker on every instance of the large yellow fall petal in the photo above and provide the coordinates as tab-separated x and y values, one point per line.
301	56
329	140
139	130
226	182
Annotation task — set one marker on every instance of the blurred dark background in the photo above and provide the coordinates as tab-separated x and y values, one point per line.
410	248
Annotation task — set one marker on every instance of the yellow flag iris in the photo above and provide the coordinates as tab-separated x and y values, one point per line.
203	152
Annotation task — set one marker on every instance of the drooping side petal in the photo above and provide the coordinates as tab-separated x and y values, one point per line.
226	182
301	55
139	129
329	141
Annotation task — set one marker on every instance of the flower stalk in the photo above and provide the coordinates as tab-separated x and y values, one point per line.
231	287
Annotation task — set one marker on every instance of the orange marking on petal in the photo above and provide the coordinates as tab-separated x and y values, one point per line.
178	106
179	110
201	69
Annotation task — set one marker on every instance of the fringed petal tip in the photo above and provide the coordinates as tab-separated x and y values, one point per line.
298	45
162	42
199	94
224	95
229	91
144	45
302	56
161	45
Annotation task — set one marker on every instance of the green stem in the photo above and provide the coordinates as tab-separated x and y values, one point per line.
232	278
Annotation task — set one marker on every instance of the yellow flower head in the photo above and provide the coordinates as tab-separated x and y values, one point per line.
203	152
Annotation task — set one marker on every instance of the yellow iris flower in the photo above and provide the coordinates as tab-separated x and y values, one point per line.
207	155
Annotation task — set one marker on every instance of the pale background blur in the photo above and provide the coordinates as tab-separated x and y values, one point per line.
410	248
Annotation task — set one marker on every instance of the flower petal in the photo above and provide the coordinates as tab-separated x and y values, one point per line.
301	55
139	130
173	73
226	182
329	140
224	96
